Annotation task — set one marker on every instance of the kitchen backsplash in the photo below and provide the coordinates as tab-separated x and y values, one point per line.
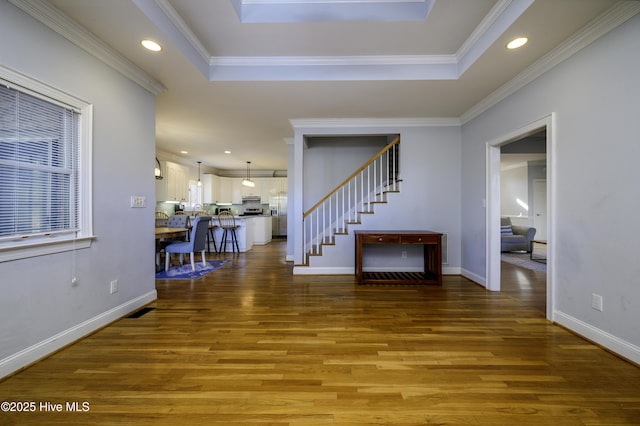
236	209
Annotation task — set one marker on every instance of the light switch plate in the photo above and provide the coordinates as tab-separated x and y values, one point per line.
138	201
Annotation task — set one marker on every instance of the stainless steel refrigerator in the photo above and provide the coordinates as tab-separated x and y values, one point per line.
278	208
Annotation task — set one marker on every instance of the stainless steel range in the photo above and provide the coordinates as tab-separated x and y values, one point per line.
252	211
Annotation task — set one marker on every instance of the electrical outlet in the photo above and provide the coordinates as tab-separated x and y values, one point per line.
596	302
404	254
114	286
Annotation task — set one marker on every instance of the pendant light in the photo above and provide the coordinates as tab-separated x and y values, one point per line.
247	181
199	181
158	171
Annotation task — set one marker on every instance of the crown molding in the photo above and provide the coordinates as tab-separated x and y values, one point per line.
165	17
483	27
612	18
333	68
266	61
359	123
497	21
184	29
50	16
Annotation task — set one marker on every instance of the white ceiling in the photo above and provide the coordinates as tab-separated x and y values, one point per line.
235	86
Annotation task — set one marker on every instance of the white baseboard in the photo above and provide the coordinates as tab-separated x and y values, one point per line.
308	270
614	344
478	279
451	270
28	356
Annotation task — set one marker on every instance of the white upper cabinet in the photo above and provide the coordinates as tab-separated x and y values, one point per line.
210	188
175	185
248	191
230	190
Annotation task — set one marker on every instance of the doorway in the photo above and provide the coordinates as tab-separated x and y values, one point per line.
493	213
540	208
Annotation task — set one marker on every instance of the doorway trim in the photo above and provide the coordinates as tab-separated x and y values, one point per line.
493	204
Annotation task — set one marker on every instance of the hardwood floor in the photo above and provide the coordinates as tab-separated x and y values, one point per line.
526	286
252	344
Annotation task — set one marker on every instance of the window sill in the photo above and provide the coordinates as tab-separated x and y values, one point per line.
41	248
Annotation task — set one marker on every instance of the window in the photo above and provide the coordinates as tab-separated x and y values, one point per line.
44	169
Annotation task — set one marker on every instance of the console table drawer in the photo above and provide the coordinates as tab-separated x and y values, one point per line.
380	239
417	239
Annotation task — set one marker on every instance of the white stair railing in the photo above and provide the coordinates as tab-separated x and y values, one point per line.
353	197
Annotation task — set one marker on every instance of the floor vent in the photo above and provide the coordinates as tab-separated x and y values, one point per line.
140	312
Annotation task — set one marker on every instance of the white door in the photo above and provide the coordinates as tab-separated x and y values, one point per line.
540	208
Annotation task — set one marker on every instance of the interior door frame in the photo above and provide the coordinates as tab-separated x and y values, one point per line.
493	204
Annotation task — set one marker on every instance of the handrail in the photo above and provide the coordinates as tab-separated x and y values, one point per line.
354	174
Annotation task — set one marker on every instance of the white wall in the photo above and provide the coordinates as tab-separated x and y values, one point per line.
596	97
40	309
513	187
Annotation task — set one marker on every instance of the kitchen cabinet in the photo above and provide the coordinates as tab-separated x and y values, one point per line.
210	189
230	190
271	187
251	191
261	229
174	186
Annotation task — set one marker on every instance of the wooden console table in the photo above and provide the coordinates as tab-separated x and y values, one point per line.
432	248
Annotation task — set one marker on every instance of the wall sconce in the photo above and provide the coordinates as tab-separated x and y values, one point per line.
158	171
247	181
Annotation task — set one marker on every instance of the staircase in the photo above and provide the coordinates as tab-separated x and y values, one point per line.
349	201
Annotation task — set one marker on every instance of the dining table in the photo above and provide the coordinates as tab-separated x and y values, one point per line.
166	232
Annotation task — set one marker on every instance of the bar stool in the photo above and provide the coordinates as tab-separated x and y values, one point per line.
228	224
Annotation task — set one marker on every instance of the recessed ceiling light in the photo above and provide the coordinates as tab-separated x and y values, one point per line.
184	152
517	42
151	45
227	152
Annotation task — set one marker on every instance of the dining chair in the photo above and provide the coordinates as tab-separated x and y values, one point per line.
211	235
196	243
173	221
176	221
228	225
161	219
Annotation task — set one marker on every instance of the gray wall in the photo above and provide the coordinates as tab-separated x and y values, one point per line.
328	161
40	309
429	195
595	96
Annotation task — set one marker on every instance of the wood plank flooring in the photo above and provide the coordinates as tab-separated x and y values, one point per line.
250	344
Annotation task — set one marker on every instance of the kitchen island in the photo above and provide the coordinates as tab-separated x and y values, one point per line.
251	230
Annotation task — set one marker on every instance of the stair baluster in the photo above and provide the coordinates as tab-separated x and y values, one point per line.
347	202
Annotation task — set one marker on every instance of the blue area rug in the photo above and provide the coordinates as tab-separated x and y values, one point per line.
185	272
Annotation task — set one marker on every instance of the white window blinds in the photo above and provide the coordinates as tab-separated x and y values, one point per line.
39	166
